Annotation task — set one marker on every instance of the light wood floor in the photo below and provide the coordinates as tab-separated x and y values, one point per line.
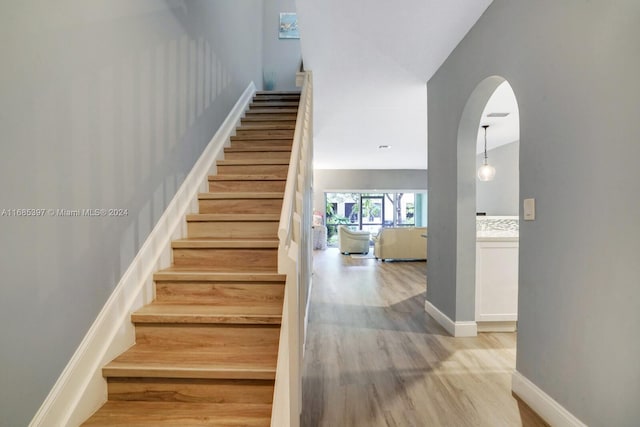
375	358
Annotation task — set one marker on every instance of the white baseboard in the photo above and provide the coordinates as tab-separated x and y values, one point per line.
456	329
543	404
81	389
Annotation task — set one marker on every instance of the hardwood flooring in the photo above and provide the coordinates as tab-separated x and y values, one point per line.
375	358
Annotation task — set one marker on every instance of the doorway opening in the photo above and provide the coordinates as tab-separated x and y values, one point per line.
497	210
488	211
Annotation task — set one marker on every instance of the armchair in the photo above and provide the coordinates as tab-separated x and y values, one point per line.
353	241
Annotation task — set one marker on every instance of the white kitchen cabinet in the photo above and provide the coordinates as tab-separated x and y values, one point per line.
496	283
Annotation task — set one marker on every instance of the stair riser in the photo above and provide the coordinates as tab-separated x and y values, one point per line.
241	206
180	390
220	257
250	338
282	143
276	170
241	186
229	229
276	139
257	155
264	294
265	133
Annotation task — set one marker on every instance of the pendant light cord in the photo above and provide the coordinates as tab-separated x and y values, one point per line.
485	143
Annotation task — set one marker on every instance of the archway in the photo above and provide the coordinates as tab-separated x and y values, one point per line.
470	123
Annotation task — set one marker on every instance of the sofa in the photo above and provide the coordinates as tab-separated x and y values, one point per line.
401	243
353	242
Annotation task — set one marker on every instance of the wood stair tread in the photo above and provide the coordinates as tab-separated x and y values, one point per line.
205	242
287	97
184	414
276	118
241	195
275	98
255	110
274	103
253	162
278	92
208	314
148	361
246	178
292	95
252	149
261	137
267	126
233	217
188	274
266	94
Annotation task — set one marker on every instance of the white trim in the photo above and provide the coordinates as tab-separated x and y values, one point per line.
81	389
543	404
497	326
466	329
497	317
456	329
306	316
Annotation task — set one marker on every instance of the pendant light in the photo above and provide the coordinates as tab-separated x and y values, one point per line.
486	172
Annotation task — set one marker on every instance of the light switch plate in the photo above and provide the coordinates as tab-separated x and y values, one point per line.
529	209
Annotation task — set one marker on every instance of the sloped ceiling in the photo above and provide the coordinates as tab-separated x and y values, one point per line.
371	61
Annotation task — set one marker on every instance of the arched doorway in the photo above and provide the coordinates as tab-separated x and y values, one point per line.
471	300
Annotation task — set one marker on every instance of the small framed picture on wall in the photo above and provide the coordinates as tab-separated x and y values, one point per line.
288	26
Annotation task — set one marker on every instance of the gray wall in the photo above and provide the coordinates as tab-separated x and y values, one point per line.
280	56
105	104
365	179
575	79
500	196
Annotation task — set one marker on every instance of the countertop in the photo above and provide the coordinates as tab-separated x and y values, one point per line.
497	229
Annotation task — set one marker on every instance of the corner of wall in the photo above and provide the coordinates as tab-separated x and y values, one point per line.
455	329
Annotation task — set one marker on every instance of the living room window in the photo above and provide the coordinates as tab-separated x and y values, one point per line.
369	211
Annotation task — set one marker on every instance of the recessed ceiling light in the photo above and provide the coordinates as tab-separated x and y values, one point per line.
383	147
497	114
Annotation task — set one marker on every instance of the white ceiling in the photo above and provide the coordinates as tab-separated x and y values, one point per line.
371	61
502	130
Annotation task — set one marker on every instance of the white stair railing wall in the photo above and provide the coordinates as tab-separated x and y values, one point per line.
295	261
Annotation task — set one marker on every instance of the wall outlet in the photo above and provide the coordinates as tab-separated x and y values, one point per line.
529	209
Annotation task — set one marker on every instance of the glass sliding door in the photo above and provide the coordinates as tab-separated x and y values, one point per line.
371	212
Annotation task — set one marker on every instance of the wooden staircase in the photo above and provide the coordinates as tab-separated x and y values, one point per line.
206	347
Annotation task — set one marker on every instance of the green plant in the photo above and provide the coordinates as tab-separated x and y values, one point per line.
332	225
